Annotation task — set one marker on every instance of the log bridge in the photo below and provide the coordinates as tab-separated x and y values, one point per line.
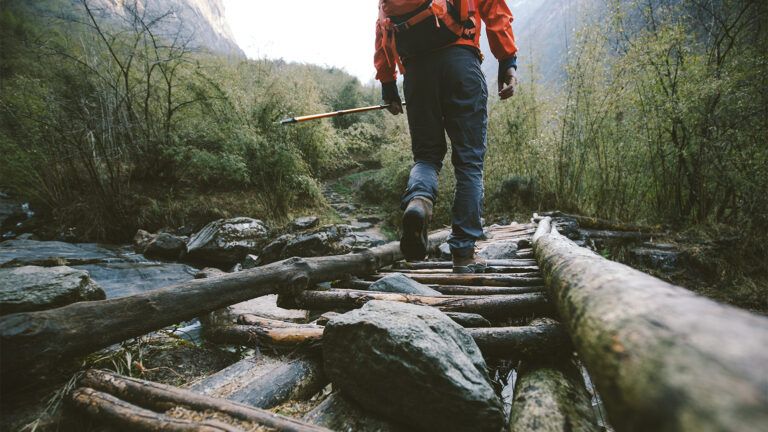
661	357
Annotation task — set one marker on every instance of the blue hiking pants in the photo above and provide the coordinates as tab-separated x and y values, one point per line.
445	92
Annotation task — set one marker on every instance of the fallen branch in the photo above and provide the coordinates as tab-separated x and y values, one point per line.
33	341
489	306
662	357
449	265
163	397
517	280
603	224
113	411
361	285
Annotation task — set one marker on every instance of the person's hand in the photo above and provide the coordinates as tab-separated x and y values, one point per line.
507	83
391	97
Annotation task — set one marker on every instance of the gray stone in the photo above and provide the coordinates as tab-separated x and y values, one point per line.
305	222
369	219
122	278
328	240
227	241
361	226
411	364
166	246
400	283
20	252
500	250
32	288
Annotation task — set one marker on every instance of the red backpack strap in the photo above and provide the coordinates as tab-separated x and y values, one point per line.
466	9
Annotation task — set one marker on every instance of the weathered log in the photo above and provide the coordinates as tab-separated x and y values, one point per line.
517	280
488	306
500	270
251	319
298	379
662	357
551	397
238	334
113	411
32	341
615	235
603	224
361	285
162	397
541	340
342	414
422	265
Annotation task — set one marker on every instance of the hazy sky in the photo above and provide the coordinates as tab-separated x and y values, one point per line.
336	33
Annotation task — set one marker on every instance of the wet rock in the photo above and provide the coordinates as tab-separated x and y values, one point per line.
412	364
166	246
227	241
328	240
32	288
122	278
661	256
19	252
500	250
400	283
304	223
568	227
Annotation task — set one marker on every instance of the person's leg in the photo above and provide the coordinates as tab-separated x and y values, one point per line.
425	120
464	101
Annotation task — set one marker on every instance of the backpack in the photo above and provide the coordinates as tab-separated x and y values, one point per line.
421	26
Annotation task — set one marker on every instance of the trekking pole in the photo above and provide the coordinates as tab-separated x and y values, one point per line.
333	114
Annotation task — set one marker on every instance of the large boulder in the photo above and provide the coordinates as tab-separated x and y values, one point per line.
328	240
162	245
227	241
400	283
411	364
32	288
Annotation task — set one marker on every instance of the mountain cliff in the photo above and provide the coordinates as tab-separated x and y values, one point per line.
544	30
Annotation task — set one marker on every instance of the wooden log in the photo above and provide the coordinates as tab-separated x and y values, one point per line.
517	280
541	340
422	265
106	408
290	337
162	397
500	270
251	319
615	235
551	397
362	285
515	305
603	224
32	341
298	379
662	357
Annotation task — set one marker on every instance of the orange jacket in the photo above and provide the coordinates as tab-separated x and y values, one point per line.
494	13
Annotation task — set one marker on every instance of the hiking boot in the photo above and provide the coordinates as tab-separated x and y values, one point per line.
416	218
470	264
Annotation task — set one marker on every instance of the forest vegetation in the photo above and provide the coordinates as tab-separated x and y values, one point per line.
662	118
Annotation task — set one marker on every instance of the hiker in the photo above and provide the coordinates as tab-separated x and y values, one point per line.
436	46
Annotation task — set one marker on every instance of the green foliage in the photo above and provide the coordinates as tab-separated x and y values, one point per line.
103	124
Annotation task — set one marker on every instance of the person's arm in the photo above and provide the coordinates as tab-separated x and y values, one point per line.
386	72
498	27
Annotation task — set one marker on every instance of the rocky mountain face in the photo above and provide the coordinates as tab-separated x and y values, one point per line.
202	22
544	31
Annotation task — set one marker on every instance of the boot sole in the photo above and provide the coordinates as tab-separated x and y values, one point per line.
413	243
